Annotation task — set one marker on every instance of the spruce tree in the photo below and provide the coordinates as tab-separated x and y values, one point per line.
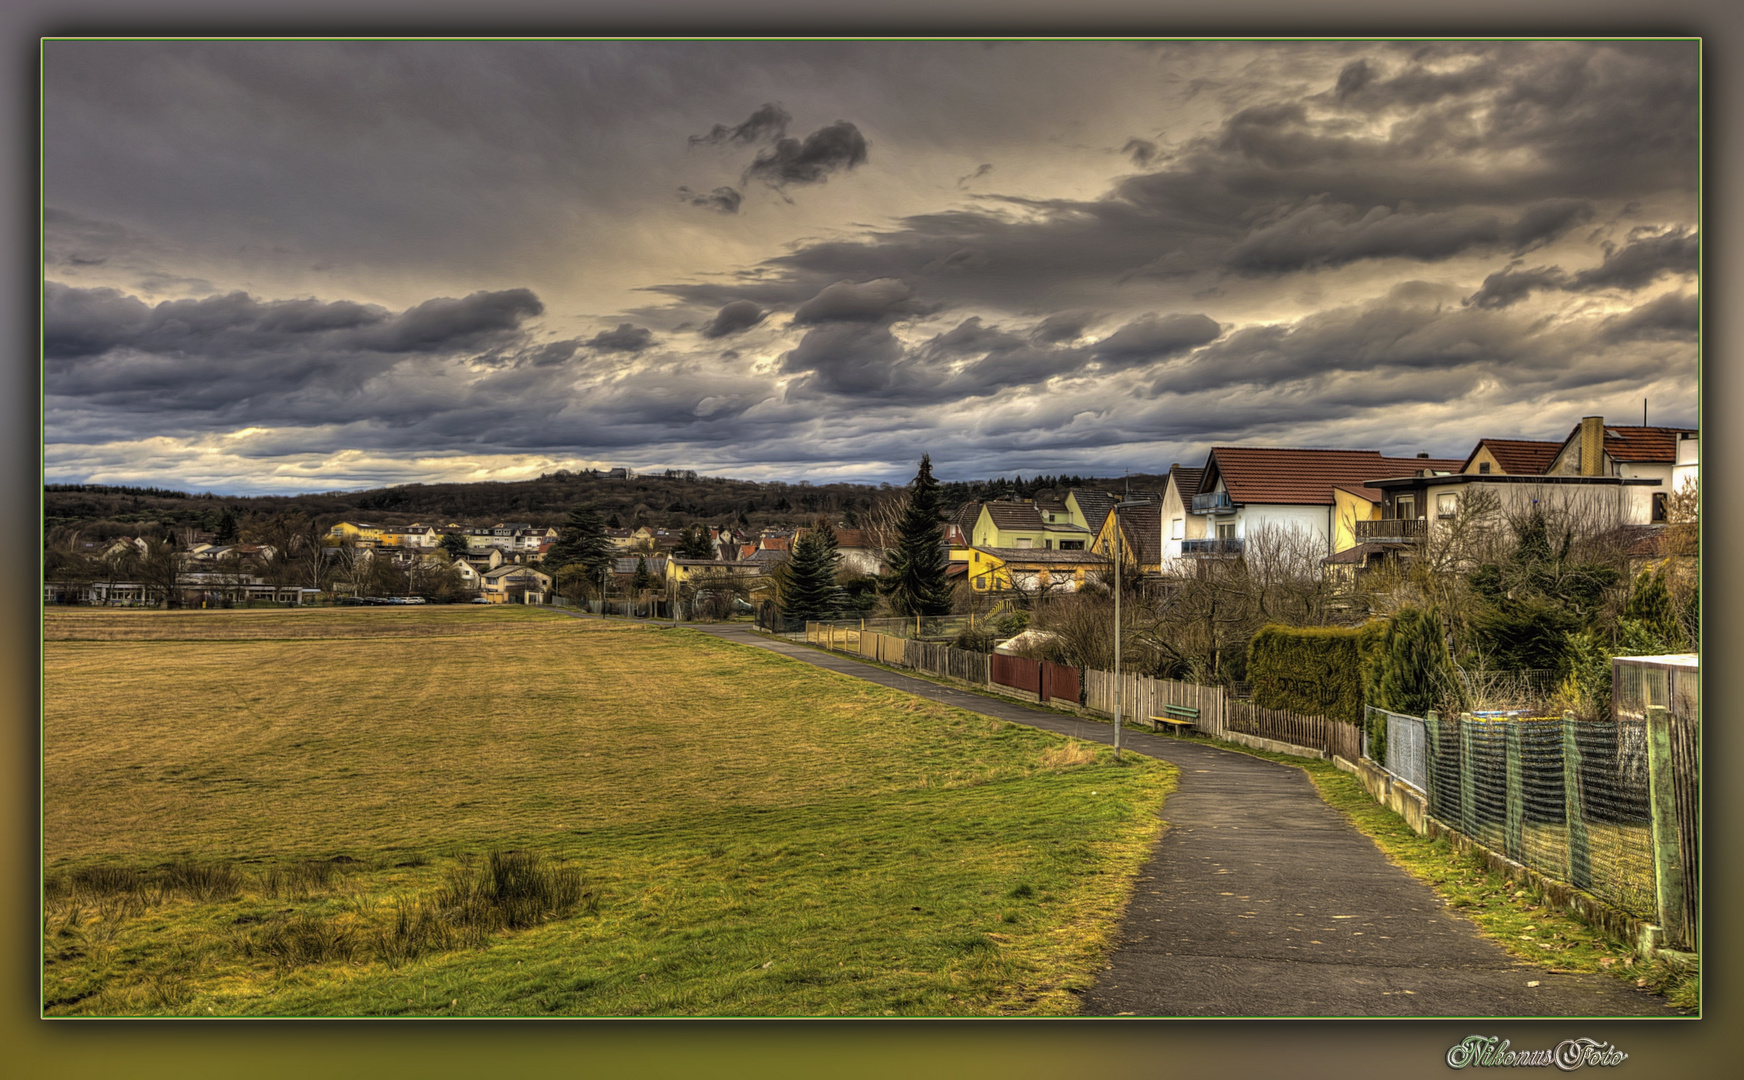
580	539
693	543
917	582
1414	666
810	591
643	579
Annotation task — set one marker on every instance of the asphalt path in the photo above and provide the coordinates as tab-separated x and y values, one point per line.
1261	900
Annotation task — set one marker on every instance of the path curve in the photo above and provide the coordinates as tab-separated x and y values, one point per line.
1260	899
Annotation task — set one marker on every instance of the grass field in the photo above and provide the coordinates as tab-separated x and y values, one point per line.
505	811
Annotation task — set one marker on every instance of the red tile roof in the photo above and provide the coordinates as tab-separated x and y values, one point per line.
1642	444
1186	481
1010	515
1142	526
1263	474
1518	457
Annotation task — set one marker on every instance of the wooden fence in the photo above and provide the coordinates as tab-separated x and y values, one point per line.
1315	732
1142	697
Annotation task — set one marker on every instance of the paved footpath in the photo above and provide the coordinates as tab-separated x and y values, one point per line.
1261	900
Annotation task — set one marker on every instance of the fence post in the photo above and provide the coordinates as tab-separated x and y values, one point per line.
1512	838
1468	811
1580	859
1667	864
1431	755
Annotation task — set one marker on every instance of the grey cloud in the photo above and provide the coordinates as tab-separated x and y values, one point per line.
1151	338
1643	261
1546	220
768	122
736	317
1065	326
1635	266
1142	151
970	336
1506	287
863	301
1672	317
1352	78
1321	234
836	148
847	358
444	323
626	338
981	171
722	200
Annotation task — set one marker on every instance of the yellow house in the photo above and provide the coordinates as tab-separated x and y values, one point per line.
1352	503
1030	569
679	571
516	584
1089	509
1027	525
1141	535
356	533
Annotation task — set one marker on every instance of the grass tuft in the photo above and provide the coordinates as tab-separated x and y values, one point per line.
302	940
202	881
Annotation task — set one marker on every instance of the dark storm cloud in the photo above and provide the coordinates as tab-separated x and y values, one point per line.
1145	340
1643	261
1507	287
89	322
970	336
1352	78
1065	326
1327	235
736	317
626	338
1142	151
836	148
768	122
859	301
847	358
1672	317
1638	264
722	200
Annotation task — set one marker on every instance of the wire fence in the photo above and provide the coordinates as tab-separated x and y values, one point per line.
1572	799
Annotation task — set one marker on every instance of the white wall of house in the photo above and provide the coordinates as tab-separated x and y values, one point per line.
1314	522
1688	467
1178	523
1595	503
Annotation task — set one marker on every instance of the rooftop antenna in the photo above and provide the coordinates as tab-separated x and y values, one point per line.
1643	412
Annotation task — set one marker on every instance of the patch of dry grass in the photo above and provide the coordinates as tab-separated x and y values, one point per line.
286	813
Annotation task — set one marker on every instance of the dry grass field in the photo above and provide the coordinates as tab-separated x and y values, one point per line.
506	811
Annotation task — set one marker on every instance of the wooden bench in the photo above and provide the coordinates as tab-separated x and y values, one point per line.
1179	718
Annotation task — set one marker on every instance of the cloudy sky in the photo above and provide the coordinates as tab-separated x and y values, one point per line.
281	266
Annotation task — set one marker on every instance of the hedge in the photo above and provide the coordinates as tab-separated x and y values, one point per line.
1318	671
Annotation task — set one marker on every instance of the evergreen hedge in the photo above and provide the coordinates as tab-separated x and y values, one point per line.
1318	671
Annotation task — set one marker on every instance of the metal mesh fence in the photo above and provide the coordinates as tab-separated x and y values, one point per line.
1407	746
1568	798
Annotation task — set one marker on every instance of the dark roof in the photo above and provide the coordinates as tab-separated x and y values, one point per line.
1041	555
1186	481
1293	477
1142	526
656	564
1095	505
1521	457
966	517
767	555
1011	515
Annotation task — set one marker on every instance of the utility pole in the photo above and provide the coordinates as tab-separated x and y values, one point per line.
1118	708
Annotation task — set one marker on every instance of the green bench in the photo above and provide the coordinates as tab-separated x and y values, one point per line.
1179	717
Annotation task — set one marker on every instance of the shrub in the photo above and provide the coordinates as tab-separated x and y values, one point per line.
1317	670
301	941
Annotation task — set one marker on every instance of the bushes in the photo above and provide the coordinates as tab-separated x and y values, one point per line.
1318	671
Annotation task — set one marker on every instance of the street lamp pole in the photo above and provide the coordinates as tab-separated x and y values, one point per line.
1118	707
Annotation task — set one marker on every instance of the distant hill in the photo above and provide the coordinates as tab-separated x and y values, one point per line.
671	500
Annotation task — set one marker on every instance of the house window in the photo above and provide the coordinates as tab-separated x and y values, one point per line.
1405	506
1226	530
1447	506
1177	527
1484	467
1023	542
1659	506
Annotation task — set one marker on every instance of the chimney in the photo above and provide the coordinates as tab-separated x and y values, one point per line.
1592	446
1422	453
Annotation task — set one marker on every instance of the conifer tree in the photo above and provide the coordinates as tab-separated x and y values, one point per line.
643	579
917	582
580	539
810	590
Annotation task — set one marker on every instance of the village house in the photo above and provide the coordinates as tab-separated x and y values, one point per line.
1031	570
516	585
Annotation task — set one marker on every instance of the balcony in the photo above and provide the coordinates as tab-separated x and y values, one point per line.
1392	531
1211	548
1216	502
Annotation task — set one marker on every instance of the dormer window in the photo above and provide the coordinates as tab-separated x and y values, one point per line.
1484	468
